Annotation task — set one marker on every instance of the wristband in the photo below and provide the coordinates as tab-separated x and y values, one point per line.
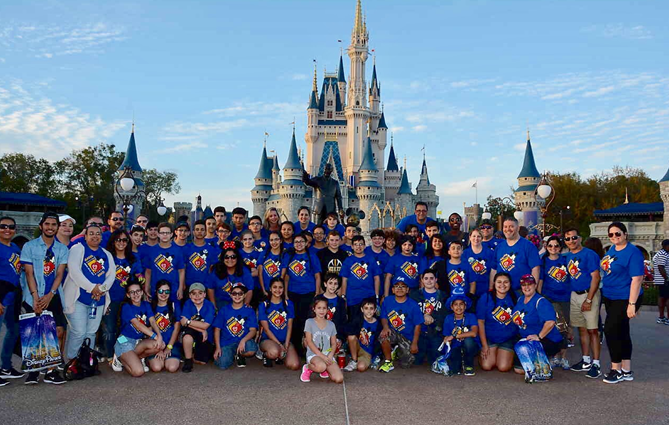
169	346
153	336
631	303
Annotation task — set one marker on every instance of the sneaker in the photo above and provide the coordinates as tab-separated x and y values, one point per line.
260	355
146	368
3	382
386	367
188	366
102	359
594	372
661	321
324	374
116	364
241	361
581	366
469	371
278	361
666	321
351	366
11	373
554	361
53	377
305	376
267	362
375	363
394	354
32	379
628	376
614	377
564	364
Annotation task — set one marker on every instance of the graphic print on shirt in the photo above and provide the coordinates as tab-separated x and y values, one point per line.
278	319
143	320
199	260
410	268
428	305
560	273
331	312
251	262
298	267
272	267
364	337
478	266
15	261
502	315
334	266
49	263
508	261
457	330
122	274
164	263
360	270
397	320
235	326
519	319
95	265
457	279
163	321
606	263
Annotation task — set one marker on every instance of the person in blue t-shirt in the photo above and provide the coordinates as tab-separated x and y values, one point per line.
419	219
516	256
260	235
480	260
622	271
497	332
165	261
364	337
166	314
459	274
376	250
487	232
535	317
276	316
10	296
227	271
250	256
432	303
332	223
199	256
419	247
238	223
318	242
235	327
210	225
270	261
360	278
461	331
404	264
435	251
287	234
401	319
140	337
303	222
197	315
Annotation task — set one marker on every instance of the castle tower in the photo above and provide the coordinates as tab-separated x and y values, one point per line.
341	80
664	194
427	192
528	179
404	199
181	208
392	177
131	162
368	190
263	184
312	114
198	214
292	188
374	93
276	174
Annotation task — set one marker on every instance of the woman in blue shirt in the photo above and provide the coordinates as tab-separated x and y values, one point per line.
270	262
497	332
480	259
229	269
622	271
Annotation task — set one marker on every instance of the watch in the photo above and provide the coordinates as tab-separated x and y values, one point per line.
54	291
188	322
631	303
588	300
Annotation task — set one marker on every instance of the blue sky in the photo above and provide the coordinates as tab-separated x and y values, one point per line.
206	79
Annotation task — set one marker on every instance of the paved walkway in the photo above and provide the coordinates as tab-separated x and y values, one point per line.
258	395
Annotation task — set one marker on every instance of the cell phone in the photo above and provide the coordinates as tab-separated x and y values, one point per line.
122	339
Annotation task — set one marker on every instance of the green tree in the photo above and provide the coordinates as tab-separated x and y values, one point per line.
157	184
499	207
24	173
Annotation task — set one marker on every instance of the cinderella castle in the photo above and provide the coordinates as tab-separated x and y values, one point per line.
346	127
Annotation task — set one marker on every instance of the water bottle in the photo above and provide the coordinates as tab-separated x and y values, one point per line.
93	309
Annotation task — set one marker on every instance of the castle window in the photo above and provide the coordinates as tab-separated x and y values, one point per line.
329	115
329	102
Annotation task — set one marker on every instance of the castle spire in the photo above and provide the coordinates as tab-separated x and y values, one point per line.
314	88
130	159
340	72
392	160
359	27
265	167
293	157
529	167
405	188
368	158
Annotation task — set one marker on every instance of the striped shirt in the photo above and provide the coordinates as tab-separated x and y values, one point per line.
660	259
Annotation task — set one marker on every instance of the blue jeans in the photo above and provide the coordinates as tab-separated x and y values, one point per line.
110	327
228	353
81	327
11	334
428	344
465	352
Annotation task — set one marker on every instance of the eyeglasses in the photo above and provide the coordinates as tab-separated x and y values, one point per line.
165	233
164	291
117	219
421	211
616	234
124	240
573	238
455	220
182	230
135	292
230	257
299	241
552	246
255	223
486	227
7	226
237	294
247	240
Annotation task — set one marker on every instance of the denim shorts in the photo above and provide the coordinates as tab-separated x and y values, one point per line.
228	353
507	345
175	353
128	344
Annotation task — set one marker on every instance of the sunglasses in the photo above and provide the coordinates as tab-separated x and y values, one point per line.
164	291
486	227
135	292
142	221
117	219
7	226
236	294
616	234
124	240
230	257
455	220
573	238
552	246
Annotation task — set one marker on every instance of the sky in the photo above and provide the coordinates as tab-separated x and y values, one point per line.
204	81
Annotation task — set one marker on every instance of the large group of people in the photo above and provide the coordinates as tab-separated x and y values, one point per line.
317	297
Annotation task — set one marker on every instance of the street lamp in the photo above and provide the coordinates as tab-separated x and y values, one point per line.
486	216
518	215
161	208
562	210
128	190
544	195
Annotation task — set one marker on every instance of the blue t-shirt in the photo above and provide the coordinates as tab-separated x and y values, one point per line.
206	313
236	235
124	271
454	327
402	317
618	269
10	263
381	258
480	265
165	263
299	229
346	248
270	267
556	279
580	267
222	287
262	244
517	260
333	305
492	243
94	267
360	273
251	261
530	317
49	264
301	270
367	335
277	317
130	311
212	241
431	261
430	303
339	228
460	276
235	323
408	267
198	260
411	219
497	315
166	322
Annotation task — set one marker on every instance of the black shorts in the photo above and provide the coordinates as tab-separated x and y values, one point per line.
663	290
55	307
202	351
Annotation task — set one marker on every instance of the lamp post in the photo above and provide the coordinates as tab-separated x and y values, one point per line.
127	189
544	195
161	209
562	210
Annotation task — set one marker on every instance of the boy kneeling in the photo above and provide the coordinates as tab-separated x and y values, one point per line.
234	328
196	318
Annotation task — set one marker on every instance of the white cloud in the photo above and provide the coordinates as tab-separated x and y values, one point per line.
464	187
599	92
258	108
184	147
619	30
419	128
299	77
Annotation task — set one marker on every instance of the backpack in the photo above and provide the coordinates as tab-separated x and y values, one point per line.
85	365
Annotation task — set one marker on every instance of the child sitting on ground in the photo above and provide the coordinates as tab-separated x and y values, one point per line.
234	328
363	343
196	317
461	330
320	336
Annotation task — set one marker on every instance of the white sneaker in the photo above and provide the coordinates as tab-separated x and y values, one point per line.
351	366
116	364
146	368
259	354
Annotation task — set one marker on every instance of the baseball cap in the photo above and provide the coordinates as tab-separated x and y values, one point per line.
197	286
239	285
47	215
64	217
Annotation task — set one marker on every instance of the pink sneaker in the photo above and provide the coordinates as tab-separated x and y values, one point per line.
305	376
324	375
